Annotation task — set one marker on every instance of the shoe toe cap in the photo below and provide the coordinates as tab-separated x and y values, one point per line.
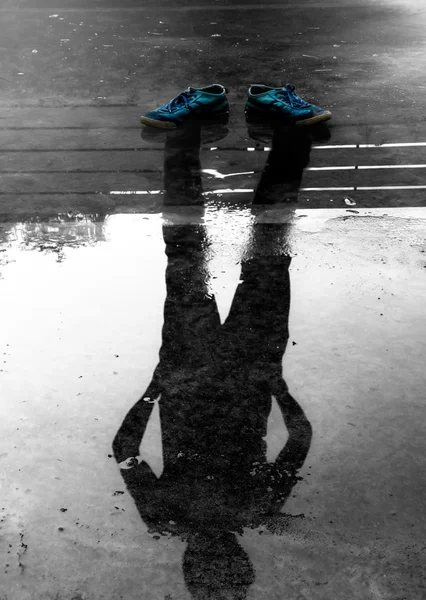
156	115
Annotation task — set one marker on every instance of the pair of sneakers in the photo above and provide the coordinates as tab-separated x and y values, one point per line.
263	102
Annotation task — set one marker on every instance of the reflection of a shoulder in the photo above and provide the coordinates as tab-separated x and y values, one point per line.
131	462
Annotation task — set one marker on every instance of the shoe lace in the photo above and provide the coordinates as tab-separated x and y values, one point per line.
181	100
292	98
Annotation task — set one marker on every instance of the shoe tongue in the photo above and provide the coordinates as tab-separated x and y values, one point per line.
191	90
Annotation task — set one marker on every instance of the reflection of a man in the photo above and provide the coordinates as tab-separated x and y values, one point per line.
216	381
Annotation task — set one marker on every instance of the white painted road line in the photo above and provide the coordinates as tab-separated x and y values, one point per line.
361	146
306	189
360	167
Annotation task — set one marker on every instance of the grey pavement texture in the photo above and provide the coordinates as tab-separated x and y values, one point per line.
281	453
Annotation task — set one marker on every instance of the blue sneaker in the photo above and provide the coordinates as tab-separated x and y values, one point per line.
197	103
282	103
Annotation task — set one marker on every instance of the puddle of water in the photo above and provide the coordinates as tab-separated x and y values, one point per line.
81	337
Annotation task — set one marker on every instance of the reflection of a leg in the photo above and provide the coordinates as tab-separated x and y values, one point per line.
283	172
260	308
262	302
190	314
182	169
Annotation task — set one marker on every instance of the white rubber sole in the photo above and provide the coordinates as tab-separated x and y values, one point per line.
325	116
158	124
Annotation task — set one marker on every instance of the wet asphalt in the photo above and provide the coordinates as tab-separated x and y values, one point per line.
212	344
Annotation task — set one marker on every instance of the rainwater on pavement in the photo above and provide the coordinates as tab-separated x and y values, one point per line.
212	350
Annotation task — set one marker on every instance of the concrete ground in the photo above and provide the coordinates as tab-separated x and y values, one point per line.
83	228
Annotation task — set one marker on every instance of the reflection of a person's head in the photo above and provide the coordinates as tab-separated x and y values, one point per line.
216	567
